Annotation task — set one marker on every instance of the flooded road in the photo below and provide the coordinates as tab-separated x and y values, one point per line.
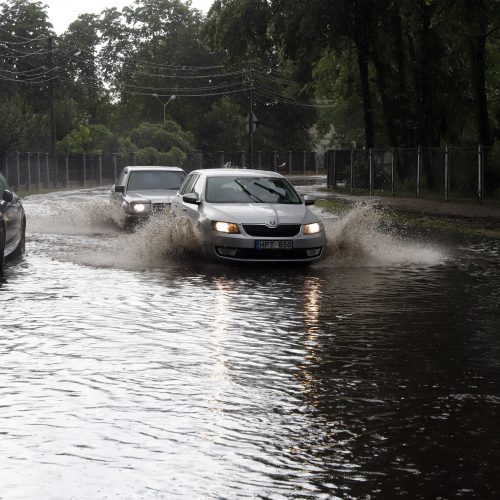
132	367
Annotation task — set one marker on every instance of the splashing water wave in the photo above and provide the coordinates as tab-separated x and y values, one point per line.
162	238
357	239
77	217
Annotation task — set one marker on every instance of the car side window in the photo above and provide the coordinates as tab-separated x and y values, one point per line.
198	185
119	181
187	187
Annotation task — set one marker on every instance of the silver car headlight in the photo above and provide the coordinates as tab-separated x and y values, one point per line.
140	207
225	227
313	228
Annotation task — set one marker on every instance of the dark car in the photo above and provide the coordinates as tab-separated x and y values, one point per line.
12	224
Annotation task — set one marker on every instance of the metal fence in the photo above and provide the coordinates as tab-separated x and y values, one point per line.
35	171
459	173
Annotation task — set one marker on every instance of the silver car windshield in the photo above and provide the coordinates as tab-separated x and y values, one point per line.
250	190
154	179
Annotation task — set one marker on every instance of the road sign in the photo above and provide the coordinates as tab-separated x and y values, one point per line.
251	119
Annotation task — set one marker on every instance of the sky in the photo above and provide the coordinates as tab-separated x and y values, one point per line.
64	12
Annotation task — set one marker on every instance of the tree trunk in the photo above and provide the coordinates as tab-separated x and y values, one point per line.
367	101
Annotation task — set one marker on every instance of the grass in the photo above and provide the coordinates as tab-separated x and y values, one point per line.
483	227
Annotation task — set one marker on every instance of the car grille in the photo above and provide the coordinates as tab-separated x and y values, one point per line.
274	255
160	207
282	231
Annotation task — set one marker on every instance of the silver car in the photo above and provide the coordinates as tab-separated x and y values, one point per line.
251	215
140	191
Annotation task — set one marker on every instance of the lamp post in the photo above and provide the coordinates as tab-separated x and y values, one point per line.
172	97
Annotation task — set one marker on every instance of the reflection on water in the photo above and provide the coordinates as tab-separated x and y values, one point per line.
179	378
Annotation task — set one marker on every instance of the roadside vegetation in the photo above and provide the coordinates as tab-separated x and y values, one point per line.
369	73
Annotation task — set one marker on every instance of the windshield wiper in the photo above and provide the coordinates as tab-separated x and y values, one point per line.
247	191
273	191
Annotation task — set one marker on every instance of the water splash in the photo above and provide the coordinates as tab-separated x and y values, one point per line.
162	238
360	238
70	217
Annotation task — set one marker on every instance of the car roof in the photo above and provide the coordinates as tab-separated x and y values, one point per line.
240	172
153	167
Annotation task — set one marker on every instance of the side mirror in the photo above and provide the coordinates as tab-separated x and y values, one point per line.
7	196
119	189
191	198
310	199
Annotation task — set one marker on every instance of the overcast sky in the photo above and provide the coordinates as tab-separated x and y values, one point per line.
64	12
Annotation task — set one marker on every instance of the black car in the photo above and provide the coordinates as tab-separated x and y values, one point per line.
12	224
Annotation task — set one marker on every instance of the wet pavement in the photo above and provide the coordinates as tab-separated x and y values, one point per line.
134	367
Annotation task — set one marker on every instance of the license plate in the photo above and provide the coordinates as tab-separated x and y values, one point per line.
273	245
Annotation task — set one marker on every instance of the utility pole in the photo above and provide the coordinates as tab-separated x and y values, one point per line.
52	106
251	125
251	121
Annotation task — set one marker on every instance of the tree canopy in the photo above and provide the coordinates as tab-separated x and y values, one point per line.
392	73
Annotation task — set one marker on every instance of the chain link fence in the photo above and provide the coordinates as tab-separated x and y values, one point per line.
458	173
35	171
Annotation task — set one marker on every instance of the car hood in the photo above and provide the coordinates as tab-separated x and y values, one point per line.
259	213
155	196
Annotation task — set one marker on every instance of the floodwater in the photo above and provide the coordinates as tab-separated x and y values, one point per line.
132	367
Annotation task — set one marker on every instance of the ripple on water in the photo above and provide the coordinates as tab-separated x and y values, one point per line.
368	375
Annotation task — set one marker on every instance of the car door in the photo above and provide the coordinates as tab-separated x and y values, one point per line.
12	214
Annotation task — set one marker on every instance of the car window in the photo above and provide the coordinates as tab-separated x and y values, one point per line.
3	184
251	190
154	179
119	181
188	184
199	185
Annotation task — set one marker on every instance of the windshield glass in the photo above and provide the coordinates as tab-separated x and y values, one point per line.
154	179
250	190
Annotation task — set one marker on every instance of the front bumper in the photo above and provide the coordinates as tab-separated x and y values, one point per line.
244	248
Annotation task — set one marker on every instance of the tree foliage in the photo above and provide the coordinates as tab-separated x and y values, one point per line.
376	72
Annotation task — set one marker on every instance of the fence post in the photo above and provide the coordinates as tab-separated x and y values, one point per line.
259	160
28	160
419	166
352	169
84	164
100	169
47	164
7	167
480	167
304	162
38	172
115	168
56	168
18	173
290	162
66	173
446	175
370	166
334	172
393	164
275	160
222	158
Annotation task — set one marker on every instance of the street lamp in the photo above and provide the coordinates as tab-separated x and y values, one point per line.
172	97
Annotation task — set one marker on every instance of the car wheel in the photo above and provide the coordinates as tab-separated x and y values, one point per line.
2	250
21	247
